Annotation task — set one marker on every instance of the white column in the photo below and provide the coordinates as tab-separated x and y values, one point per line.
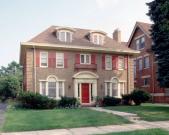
46	88
75	89
63	88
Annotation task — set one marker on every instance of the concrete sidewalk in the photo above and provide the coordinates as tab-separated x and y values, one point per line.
97	130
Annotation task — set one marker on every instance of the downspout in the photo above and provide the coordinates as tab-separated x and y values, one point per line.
127	75
34	67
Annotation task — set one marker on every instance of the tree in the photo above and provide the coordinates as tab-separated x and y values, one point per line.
10	80
159	14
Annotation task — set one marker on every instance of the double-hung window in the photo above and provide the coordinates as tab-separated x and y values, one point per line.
59	60
140	64
121	62
43	59
146	62
146	81
140	43
85	59
108	62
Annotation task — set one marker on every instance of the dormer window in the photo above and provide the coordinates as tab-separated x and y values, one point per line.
65	36
97	37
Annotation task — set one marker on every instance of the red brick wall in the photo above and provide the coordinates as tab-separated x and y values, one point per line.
153	83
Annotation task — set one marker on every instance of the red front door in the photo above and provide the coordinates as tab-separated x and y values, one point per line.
85	92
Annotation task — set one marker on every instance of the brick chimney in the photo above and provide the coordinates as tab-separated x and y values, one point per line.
117	35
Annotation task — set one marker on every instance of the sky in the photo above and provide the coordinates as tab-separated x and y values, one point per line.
20	20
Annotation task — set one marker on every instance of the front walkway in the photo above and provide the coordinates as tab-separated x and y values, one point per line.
97	130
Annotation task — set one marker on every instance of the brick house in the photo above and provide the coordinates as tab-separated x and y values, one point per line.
81	63
145	66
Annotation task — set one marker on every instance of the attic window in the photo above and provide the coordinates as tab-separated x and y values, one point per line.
65	36
98	39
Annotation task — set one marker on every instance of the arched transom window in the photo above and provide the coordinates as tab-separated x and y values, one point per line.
52	87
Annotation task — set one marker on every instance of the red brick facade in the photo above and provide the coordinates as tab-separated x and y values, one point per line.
142	30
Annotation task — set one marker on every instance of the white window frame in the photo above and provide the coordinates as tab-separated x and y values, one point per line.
65	35
57	88
46	58
85	62
119	67
111	64
99	39
59	53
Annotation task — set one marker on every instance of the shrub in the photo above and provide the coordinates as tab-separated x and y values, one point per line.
140	96
126	99
111	101
9	87
99	101
36	101
68	102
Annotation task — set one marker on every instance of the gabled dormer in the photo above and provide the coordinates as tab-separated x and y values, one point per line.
97	37
64	34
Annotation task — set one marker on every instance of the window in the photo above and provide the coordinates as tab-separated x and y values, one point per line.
140	64
140	43
43	59
107	89
52	87
43	88
146	62
121	62
114	87
121	85
135	68
98	39
108	62
59	60
85	59
65	36
61	89
146	81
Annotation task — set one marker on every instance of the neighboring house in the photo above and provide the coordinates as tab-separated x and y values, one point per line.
145	66
81	63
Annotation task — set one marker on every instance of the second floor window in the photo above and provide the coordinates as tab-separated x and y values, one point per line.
65	36
121	63
140	43
59	60
140	64
146	62
108	62
43	59
85	59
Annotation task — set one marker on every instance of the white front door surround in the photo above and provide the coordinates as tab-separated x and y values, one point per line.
85	77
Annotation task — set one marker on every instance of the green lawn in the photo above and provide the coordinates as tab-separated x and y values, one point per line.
149	112
143	132
26	120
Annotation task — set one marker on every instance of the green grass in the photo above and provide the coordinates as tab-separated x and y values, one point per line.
149	112
143	132
26	120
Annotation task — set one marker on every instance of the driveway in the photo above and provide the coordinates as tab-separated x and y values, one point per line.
3	107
